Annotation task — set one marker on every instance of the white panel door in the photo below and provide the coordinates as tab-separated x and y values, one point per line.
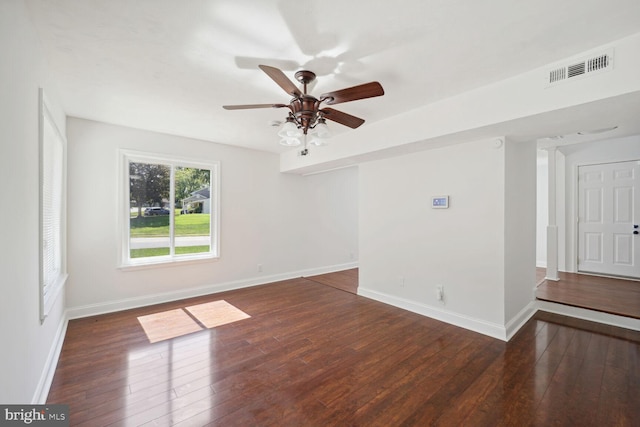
609	219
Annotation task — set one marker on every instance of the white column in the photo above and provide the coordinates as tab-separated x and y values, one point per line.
552	227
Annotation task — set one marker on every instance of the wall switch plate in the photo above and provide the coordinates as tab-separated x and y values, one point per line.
440	202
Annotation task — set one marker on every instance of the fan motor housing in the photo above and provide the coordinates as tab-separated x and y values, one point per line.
305	110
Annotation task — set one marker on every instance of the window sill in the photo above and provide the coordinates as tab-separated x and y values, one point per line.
160	262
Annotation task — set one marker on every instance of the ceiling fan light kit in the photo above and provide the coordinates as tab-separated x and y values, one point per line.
306	117
321	130
289	129
290	142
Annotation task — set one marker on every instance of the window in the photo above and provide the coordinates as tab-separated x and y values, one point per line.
170	211
52	209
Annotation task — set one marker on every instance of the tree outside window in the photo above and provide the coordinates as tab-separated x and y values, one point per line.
172	210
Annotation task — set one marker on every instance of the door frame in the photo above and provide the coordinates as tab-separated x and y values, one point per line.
575	208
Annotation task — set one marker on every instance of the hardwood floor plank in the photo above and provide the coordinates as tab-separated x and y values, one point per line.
563	382
451	394
314	355
619	402
609	295
392	406
580	408
346	280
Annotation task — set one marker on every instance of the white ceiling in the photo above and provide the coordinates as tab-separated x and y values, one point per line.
170	65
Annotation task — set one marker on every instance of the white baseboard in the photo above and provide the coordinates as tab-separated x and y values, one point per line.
520	319
541	263
493	330
46	378
591	315
129	303
330	269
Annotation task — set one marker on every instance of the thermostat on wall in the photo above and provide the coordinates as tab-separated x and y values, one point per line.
440	202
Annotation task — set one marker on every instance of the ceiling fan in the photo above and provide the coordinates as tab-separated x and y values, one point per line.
306	111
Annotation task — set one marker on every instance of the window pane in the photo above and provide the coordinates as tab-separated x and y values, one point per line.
149	191
52	166
193	216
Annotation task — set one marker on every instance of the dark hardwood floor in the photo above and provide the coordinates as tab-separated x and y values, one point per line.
346	280
314	355
609	295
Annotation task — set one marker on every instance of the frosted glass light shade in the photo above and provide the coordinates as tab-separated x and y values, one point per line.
290	142
321	130
290	130
318	142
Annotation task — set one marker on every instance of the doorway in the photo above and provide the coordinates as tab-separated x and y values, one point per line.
609	219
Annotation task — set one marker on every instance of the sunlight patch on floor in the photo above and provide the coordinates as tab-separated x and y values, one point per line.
182	321
217	313
168	324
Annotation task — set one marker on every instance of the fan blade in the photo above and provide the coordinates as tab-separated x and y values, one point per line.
367	90
283	81
248	106
342	118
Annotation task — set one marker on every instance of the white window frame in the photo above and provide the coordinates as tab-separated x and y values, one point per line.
124	260
52	213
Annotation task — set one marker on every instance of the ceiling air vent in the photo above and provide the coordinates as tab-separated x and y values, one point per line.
576	69
557	75
589	66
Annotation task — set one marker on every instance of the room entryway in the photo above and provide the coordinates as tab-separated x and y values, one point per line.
609	219
345	280
605	294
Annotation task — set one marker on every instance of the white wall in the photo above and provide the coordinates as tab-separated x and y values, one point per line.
606	151
481	249
26	344
542	200
542	207
289	224
331	219
407	248
520	229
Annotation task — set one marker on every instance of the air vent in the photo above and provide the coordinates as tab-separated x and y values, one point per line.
557	75
598	63
595	64
576	69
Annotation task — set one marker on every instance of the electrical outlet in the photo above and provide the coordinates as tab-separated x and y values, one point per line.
259	268
440	292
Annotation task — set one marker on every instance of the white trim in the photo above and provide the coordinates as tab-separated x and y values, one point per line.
124	156
552	210
166	261
48	294
518	321
576	212
572	262
129	303
328	269
590	315
493	330
46	377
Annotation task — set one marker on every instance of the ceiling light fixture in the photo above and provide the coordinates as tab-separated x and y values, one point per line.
293	133
597	131
553	138
306	117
